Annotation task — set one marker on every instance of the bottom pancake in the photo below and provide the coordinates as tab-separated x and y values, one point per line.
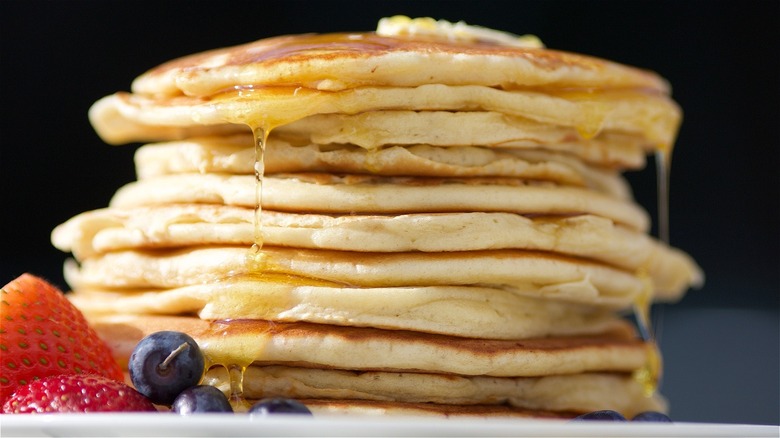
578	393
320	407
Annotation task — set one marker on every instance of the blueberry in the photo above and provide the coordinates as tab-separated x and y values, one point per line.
199	399
652	416
164	364
273	406
605	415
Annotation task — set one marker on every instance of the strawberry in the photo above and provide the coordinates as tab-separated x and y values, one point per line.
43	334
76	394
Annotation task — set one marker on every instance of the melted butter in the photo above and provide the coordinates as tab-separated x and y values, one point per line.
401	25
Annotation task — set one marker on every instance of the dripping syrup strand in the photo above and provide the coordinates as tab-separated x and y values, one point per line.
662	164
261	138
255	259
236	378
663	159
649	376
644	302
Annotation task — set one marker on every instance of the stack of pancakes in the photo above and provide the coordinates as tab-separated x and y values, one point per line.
426	219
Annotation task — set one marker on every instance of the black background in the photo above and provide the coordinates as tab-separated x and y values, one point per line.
722	57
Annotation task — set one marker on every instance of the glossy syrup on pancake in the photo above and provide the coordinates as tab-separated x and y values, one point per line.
235	361
274	56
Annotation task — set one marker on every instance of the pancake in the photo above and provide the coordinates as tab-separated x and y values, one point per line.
246	342
466	311
236	154
567	393
655	117
523	272
374	129
364	408
339	61
351	194
172	226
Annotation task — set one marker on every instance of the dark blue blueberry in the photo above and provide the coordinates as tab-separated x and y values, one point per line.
652	416
199	399
273	406
605	415
164	364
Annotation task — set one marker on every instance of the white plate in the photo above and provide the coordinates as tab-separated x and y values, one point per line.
244	425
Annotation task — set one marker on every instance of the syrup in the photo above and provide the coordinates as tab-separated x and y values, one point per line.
260	138
663	168
649	375
237	357
232	353
236	399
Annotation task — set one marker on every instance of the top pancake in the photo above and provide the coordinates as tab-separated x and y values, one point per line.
348	60
278	81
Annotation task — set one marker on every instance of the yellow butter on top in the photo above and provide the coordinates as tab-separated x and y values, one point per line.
401	25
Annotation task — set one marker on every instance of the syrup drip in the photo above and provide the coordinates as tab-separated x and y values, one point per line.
649	376
236	398
226	348
662	165
236	359
261	138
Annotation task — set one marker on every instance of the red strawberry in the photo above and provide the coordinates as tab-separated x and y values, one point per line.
76	393
42	334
